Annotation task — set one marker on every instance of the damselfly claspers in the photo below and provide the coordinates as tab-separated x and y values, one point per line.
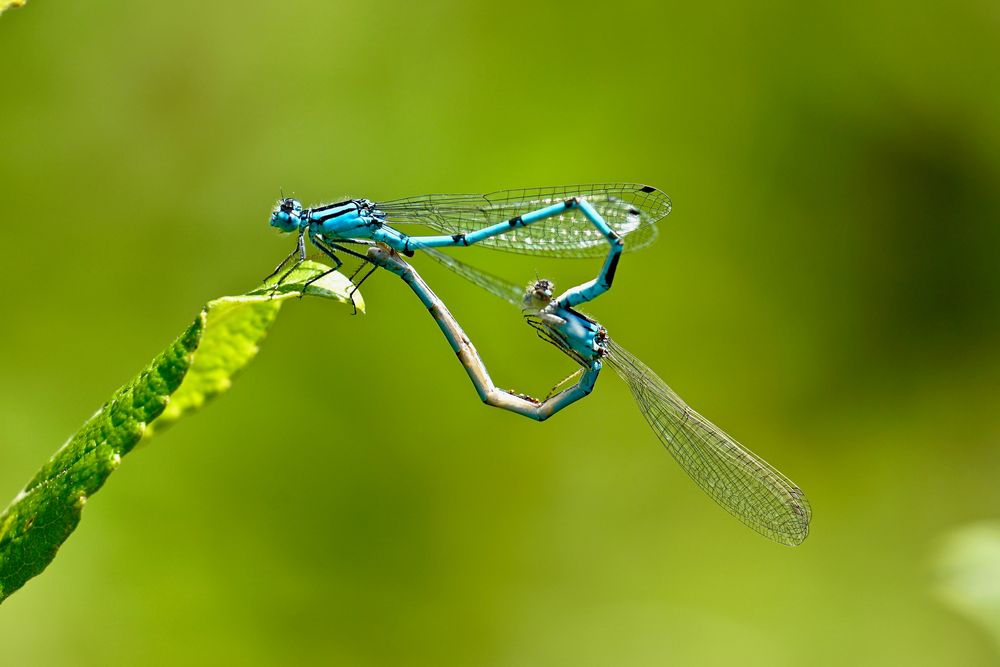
560	221
741	482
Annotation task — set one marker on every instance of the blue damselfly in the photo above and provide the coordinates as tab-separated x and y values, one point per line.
559	221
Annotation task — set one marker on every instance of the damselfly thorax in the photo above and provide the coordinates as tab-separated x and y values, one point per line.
576	334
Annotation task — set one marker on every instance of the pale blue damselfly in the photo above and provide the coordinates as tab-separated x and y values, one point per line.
557	221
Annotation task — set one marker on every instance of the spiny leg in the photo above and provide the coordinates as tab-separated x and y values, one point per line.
329	251
569	378
364	242
300	250
364	261
356	271
278	268
358	284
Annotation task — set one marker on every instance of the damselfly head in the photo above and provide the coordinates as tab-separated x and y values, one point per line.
287	215
539	294
542	288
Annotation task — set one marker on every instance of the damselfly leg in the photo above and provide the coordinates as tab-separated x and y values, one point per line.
330	250
562	383
300	251
364	263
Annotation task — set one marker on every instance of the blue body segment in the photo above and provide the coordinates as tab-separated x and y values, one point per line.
581	338
583	335
602	283
345	220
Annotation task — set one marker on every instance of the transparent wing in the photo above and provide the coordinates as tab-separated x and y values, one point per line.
630	209
745	485
496	285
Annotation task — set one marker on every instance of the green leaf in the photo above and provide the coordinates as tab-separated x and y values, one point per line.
195	368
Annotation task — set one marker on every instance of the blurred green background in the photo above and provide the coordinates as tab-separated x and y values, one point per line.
826	290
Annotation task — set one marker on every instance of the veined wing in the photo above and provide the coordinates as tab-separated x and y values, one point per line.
507	291
496	285
745	485
632	210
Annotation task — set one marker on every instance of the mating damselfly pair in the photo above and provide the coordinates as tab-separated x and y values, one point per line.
571	221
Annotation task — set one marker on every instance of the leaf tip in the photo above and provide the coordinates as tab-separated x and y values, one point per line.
4	6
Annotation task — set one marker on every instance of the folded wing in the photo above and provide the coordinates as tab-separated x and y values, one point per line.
632	210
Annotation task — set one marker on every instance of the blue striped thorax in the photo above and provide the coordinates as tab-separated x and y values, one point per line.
572	329
346	219
351	218
582	334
